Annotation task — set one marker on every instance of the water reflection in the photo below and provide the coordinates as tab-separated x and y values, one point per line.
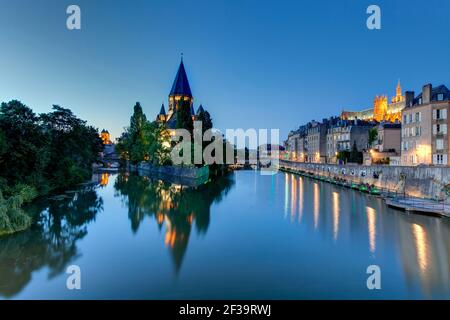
173	206
50	242
420	241
316	204
341	215
336	210
372	226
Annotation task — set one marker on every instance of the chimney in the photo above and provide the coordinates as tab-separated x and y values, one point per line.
426	94
409	98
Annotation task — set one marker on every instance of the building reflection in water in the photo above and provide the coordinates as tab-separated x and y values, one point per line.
421	244
372	227
294	199
336	210
301	198
316	204
174	207
286	193
104	179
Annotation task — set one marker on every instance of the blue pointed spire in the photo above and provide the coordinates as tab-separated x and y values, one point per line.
200	109
192	110
163	110
181	84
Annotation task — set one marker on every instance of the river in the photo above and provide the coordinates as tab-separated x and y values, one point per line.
244	236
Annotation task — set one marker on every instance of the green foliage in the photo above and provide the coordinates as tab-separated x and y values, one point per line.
144	140
355	155
39	154
206	120
73	147
184	117
373	136
343	156
12	217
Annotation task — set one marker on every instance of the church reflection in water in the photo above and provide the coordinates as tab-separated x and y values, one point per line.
61	221
175	208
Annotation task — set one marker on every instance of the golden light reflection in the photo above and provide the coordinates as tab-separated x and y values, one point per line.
160	218
104	179
293	197
372	226
421	245
316	205
286	193
335	215
301	199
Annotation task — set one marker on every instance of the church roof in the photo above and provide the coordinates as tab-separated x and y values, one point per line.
181	84
192	110
200	109
163	110
172	122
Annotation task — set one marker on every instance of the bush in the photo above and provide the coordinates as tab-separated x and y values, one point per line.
12	217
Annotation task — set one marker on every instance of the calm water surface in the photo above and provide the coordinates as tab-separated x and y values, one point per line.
247	236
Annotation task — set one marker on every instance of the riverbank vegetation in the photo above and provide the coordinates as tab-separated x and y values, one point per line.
39	154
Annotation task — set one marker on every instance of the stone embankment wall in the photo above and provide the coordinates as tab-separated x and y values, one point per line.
431	182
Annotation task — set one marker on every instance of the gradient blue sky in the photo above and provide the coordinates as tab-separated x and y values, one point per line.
252	63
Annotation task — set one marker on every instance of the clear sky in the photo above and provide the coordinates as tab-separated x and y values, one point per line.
251	63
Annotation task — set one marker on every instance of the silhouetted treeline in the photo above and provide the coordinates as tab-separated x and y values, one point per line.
38	154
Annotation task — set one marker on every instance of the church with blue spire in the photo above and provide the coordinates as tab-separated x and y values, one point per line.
181	91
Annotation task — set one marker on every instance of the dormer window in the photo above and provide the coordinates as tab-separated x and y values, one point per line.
420	100
440	97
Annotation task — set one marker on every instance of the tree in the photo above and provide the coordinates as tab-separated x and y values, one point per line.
144	140
373	136
39	154
355	155
23	142
73	147
158	147
206	120
184	117
137	139
137	120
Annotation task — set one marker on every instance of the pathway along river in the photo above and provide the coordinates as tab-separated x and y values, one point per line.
246	236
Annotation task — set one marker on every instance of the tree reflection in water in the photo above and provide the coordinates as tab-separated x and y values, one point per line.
173	206
50	242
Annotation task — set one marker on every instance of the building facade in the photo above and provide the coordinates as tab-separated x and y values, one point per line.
387	147
295	144
342	135
425	127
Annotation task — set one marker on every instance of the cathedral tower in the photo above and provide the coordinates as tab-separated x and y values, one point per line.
180	91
